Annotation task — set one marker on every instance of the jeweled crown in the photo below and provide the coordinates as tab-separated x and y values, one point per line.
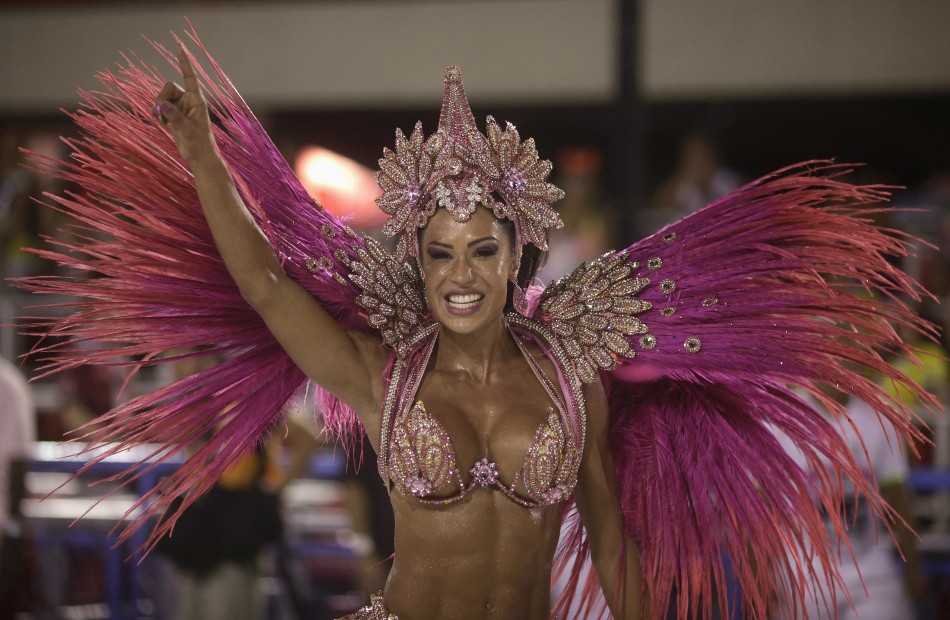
458	168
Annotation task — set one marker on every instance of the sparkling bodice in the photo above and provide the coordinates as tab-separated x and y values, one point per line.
422	463
417	457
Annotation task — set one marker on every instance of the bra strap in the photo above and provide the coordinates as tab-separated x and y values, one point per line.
404	381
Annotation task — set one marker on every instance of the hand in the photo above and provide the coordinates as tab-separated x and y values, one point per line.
185	111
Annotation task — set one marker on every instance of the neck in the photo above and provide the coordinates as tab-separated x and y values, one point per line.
475	354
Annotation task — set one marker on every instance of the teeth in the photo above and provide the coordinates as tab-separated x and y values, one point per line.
462	300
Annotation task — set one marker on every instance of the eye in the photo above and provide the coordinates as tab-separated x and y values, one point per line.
486	251
435	254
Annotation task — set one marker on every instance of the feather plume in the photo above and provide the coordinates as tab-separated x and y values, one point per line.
145	280
785	283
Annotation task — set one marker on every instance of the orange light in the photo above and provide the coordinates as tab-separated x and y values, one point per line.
344	187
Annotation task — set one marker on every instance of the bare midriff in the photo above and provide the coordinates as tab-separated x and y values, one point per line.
483	557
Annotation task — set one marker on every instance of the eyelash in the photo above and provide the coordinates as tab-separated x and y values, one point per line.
483	252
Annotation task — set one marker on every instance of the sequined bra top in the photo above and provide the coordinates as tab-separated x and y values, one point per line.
420	459
422	463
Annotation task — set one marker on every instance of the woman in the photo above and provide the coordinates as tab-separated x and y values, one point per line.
488	555
643	388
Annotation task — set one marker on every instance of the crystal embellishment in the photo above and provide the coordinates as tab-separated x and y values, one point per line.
418	485
592	311
484	473
458	168
391	294
421	462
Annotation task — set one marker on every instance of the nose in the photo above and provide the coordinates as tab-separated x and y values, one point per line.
462	271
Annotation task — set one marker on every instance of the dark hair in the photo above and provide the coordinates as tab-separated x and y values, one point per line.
532	259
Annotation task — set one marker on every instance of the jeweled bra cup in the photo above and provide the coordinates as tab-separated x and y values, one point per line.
422	463
416	453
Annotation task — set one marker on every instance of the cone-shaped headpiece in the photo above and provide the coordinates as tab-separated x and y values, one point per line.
458	168
456	121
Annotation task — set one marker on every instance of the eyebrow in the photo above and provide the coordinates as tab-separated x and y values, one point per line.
475	242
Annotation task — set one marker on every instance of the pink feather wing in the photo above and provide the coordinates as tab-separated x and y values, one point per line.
784	283
144	279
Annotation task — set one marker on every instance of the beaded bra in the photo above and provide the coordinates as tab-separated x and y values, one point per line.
422	463
421	459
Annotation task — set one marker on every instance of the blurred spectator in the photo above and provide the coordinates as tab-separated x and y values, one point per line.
89	391
700	177
217	541
589	224
17	431
930	371
23	221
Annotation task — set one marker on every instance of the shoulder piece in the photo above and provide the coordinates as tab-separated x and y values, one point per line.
390	292
592	311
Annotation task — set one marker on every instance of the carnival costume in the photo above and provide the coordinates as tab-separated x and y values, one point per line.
699	333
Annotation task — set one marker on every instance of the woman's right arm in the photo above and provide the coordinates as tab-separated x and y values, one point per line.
348	364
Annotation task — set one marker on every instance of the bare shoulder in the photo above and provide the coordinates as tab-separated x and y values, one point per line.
595	396
543	361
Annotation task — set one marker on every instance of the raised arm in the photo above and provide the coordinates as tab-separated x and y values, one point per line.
345	363
615	557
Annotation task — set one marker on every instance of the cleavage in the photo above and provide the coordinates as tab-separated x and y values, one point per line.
492	429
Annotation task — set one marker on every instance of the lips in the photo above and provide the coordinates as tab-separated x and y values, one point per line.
463	303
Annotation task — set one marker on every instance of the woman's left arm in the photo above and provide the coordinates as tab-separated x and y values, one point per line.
615	557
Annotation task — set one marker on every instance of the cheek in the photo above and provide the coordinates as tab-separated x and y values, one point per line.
429	280
494	268
498	274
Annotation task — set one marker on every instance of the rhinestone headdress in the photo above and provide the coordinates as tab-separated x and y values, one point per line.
458	168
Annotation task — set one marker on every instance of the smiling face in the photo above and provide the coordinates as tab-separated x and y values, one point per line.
466	268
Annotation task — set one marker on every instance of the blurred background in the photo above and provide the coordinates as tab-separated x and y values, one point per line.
649	109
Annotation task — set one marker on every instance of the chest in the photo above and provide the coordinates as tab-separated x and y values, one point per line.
499	421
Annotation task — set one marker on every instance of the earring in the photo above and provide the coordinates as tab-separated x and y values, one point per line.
519	299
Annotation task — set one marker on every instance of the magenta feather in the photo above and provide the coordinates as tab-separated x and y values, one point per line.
785	283
149	280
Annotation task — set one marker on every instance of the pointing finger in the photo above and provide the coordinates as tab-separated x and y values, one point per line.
187	71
